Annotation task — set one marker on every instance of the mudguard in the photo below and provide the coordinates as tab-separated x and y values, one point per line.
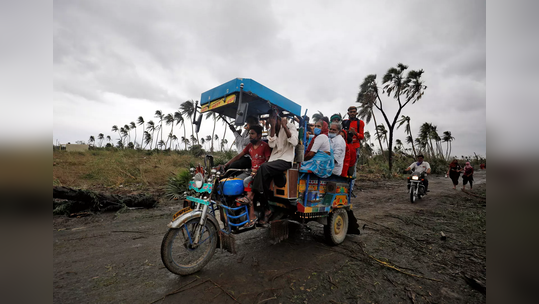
194	214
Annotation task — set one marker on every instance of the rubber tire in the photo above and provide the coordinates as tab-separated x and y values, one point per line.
412	196
166	254
336	235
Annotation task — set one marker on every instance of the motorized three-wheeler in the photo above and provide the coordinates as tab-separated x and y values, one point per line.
212	212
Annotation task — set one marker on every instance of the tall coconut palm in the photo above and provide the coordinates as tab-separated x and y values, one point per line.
213	116
366	98
147	139
140	122
128	132
101	136
159	114
407	129
169	120
224	141
188	110
318	116
403	90
133	126
447	138
381	133
115	129
91	140
150	125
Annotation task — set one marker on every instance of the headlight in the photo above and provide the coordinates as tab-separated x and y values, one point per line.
415	177
199	180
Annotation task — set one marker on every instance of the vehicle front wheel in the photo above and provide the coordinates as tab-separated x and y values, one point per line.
337	227
413	195
180	255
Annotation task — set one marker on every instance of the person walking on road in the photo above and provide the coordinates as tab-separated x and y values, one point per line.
467	176
454	172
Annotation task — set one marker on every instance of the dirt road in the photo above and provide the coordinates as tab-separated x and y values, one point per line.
398	258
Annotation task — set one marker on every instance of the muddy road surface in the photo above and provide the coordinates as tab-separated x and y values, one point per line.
399	257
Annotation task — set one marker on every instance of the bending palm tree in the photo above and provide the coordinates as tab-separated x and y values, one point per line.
447	138
213	116
366	111
188	109
133	126
140	122
169	120
101	136
151	127
408	130
147	138
159	114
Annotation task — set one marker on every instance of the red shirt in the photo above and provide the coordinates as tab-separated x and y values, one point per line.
259	155
359	126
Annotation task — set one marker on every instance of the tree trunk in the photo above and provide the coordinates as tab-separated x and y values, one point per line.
213	133
68	201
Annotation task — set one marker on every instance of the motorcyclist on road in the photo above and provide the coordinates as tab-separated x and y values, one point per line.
421	167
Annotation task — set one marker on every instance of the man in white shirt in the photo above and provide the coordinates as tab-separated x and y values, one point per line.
338	145
421	167
283	138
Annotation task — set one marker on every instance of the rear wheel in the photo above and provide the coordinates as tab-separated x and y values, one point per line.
178	252
337	227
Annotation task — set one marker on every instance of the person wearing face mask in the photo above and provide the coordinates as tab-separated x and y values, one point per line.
260	152
338	145
319	158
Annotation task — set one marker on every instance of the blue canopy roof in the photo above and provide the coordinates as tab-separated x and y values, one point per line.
257	96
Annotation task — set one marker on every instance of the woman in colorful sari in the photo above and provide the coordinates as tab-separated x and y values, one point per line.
319	158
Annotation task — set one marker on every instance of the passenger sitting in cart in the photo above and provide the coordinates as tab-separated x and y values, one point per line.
260	153
242	140
338	145
319	158
283	137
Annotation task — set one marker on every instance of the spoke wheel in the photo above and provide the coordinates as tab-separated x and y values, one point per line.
180	255
337	227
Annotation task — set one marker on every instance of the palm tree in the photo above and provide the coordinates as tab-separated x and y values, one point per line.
447	138
213	116
174	140
91	140
124	136
403	90
223	143
150	126
381	133
140	122
115	129
109	139
188	109
169	120
408	130
178	117
147	138
317	116
202	142
160	115
128	132
101	136
185	141
132	125
366	109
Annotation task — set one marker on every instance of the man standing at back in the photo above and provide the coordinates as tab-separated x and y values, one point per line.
354	127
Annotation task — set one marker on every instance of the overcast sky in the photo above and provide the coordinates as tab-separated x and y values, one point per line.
117	60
